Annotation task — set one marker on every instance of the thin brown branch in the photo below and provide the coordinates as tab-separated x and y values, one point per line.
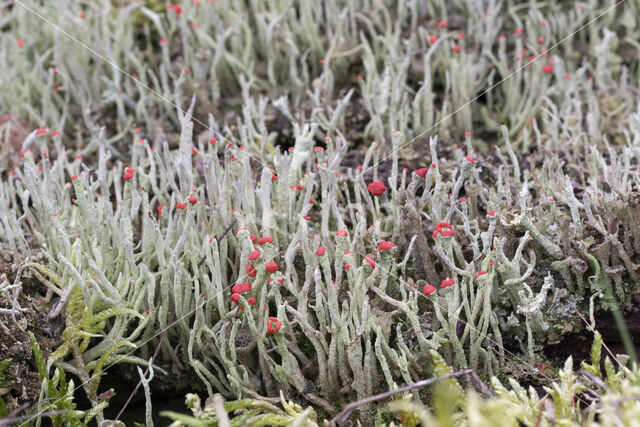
11	420
596	380
146	372
19	409
342	417
219	238
479	384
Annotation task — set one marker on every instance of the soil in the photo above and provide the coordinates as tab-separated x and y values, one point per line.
22	374
579	345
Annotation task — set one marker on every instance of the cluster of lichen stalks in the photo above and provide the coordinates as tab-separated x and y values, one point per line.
305	275
322	304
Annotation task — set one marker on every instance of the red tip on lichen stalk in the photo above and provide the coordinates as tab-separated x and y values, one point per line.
253	237
342	233
192	200
235	298
41	132
370	261
263	240
212	140
447	282
457	48
518	31
254	255
181	206
127	176
252	301
273	325
274	177
547	69
73	177
55	133
385	246
271	267
347	266
470	160
241	288
320	251
443	24
299	187
433	39
159	209
376	188
491	213
480	273
441	225
540	40
177	9
306	218
428	289
185	70
422	172
448	230
251	271
164	41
